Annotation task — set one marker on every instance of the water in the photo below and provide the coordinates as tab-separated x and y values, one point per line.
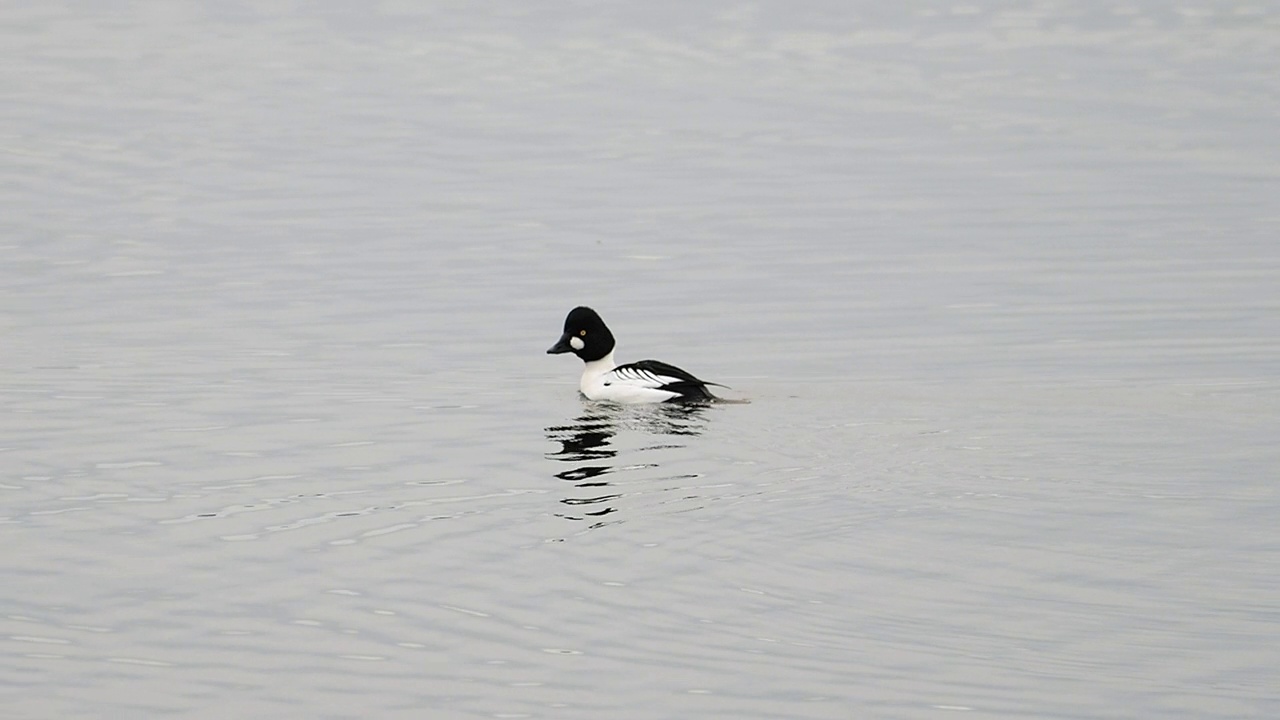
279	436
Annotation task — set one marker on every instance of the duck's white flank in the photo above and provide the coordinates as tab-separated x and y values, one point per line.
600	382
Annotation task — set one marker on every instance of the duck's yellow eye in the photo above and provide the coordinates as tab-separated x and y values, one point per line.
583	333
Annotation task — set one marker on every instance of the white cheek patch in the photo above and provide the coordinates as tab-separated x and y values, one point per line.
576	343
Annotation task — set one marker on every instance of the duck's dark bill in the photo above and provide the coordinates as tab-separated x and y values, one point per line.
562	346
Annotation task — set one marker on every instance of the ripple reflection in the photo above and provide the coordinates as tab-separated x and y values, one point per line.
590	442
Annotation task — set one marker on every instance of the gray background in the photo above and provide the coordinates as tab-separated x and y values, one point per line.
278	437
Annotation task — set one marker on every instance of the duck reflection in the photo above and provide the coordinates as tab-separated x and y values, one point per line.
588	443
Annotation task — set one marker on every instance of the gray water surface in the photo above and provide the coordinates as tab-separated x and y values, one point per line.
279	438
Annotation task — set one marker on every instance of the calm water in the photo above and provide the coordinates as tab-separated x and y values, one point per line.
279	439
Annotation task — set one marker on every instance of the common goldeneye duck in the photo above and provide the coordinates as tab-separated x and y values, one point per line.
647	381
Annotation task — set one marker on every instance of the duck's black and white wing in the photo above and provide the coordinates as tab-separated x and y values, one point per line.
650	377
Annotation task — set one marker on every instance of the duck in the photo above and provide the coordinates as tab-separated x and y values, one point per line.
646	381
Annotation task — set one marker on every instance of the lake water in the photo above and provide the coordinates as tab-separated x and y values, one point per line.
279	437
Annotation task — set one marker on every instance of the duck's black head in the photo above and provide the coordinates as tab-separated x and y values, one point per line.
585	335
